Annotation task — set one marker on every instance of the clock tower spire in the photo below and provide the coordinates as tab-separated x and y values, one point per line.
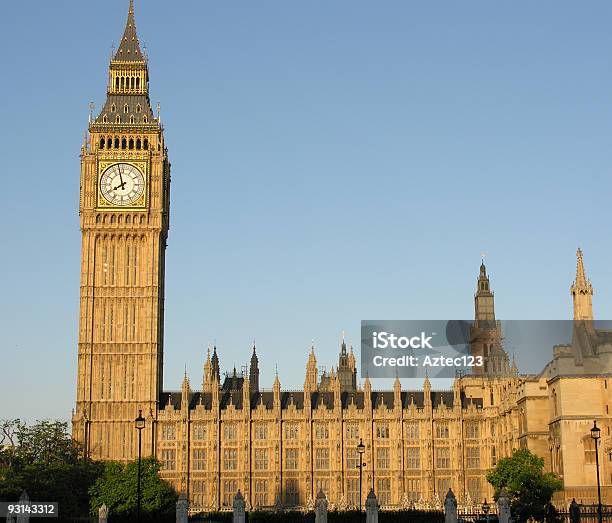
124	219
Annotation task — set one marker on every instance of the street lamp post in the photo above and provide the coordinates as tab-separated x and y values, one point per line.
139	423
596	434
486	508
360	451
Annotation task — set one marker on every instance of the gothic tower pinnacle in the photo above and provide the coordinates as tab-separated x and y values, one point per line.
582	291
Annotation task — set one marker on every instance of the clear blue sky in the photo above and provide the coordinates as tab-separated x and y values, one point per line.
331	162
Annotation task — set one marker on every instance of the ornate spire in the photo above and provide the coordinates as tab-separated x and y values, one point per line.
483	299
582	291
129	48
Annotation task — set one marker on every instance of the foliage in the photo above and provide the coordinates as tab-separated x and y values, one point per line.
118	485
44	461
530	489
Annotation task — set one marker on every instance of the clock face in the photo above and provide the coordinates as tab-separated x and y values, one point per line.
122	184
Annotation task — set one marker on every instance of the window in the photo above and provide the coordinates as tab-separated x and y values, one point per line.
589	449
229	491
292	492
384	491
412	431
442	457
443	485
117	119
352	458
352	489
261	459
261	493
230	459
473	457
168	459
230	431
382	458
322	484
126	109
261	431
197	493
321	431
138	108
113	108
199	432
168	432
291	459
352	431
413	458
441	430
321	459
291	431
414	489
382	431
199	459
472	430
473	485
493	456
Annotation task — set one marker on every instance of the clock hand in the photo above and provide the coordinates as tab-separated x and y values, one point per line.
121	176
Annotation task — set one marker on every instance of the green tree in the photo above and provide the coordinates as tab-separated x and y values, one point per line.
530	488
47	463
117	489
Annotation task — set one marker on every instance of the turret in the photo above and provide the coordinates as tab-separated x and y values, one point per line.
215	372
582	291
397	395
254	373
276	388
207	373
311	381
185	393
485	334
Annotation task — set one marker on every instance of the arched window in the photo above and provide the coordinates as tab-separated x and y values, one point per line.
138	108
137	82
132	119
102	143
104	119
131	143
146	144
132	83
117	83
116	142
128	219
123	143
118	119
145	119
126	109
98	218
109	142
142	220
113	108
113	219
122	82
138	143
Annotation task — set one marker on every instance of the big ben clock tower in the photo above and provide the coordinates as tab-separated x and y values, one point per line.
124	211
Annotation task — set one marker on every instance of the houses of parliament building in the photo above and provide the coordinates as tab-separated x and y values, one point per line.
221	433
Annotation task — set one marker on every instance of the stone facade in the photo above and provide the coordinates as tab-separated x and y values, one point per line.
281	447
